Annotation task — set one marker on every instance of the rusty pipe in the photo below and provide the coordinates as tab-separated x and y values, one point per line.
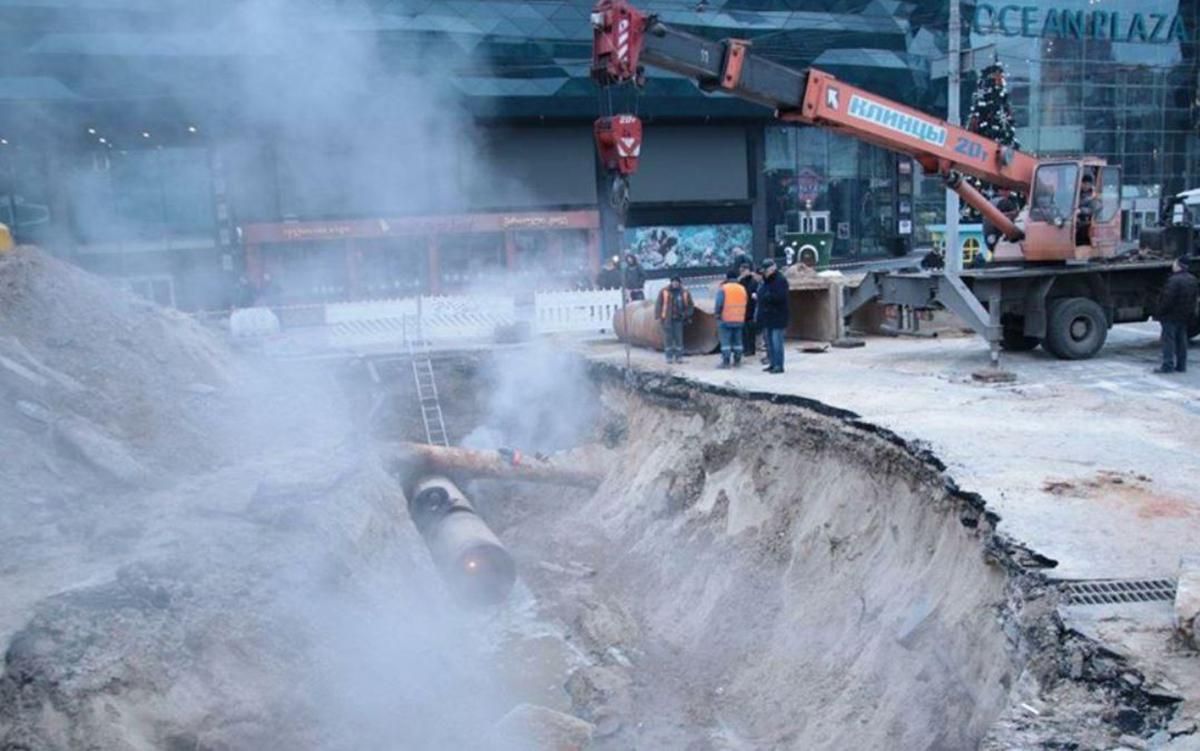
471	559
699	338
421	457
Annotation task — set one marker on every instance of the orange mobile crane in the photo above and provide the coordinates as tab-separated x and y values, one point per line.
1058	278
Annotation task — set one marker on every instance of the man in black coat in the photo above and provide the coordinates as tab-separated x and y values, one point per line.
610	276
772	305
747	279
1176	308
635	278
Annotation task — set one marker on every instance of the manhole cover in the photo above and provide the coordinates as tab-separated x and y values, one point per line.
1115	591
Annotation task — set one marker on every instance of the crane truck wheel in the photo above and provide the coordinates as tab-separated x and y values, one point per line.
1076	329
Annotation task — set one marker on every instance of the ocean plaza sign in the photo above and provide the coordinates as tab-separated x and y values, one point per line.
1110	25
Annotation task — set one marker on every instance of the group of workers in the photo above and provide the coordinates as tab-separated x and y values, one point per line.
632	279
747	303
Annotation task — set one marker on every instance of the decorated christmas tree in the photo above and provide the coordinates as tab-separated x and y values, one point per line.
991	117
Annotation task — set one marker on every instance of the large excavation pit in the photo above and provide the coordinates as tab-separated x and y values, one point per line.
629	560
759	573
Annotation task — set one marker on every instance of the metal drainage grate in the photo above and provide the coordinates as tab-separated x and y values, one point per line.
1115	591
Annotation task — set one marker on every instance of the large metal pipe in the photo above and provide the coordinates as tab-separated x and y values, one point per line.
418	458
644	330
468	554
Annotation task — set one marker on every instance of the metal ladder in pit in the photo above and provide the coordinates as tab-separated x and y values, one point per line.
427	392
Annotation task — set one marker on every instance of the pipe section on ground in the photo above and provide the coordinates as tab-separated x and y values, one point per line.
475	566
699	338
423	458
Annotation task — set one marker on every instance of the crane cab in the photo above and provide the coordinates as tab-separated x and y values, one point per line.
1073	213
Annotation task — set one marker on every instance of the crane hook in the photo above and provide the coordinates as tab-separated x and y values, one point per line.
618	193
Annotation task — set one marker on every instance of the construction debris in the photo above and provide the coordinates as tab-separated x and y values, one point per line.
533	728
1187	600
994	375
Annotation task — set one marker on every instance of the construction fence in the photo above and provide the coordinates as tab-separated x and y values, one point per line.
436	319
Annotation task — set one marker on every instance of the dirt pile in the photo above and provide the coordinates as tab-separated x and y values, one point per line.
96	378
197	551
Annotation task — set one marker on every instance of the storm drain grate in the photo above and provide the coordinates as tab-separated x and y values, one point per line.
1116	591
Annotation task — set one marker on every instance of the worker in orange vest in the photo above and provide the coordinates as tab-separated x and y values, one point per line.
731	312
674	309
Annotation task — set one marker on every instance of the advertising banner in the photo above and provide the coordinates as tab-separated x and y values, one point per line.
688	246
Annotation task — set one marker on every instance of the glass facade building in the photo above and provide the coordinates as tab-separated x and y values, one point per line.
1117	80
155	141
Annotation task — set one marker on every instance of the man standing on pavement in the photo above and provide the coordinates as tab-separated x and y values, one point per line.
635	278
674	309
773	313
731	312
747	279
609	276
1176	308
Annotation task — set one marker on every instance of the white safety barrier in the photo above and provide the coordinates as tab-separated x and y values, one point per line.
389	322
466	317
253	323
437	319
370	310
368	323
580	310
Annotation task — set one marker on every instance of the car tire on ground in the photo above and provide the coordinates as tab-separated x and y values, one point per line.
1076	328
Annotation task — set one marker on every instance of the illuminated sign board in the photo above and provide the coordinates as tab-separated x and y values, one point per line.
1114	26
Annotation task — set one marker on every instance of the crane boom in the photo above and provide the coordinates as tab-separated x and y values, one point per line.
625	39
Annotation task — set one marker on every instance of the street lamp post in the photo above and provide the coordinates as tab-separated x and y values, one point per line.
952	252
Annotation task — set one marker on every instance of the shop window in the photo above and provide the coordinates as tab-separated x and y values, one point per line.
142	195
305	273
471	259
392	268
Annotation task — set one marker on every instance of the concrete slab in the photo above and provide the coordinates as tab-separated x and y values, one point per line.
1093	463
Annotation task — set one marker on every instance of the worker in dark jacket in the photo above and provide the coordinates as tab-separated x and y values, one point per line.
773	313
674	309
635	278
1176	308
747	279
610	276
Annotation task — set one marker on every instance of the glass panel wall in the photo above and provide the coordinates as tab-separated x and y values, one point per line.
819	171
1121	86
153	198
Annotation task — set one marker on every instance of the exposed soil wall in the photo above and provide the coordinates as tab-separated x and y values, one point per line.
780	578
